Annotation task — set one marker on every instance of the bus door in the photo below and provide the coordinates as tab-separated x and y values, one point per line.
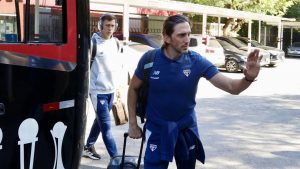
43	82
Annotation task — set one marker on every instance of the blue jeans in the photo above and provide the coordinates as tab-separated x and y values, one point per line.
102	124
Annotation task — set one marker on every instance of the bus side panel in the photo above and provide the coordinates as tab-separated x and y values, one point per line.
42	111
25	93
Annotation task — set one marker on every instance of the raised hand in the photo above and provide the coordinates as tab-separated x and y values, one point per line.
252	65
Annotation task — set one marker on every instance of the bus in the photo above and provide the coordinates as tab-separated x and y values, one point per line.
44	69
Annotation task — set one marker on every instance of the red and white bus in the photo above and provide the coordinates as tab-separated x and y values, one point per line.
44	63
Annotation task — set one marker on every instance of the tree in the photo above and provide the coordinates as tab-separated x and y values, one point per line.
293	12
232	25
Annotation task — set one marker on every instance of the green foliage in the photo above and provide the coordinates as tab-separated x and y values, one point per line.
270	7
293	12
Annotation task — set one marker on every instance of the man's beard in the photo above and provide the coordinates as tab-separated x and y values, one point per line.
178	50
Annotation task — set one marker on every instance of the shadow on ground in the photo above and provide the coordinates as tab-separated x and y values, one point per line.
250	131
238	132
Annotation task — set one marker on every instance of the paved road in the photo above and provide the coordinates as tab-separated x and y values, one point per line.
258	129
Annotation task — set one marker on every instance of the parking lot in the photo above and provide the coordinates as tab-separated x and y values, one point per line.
258	129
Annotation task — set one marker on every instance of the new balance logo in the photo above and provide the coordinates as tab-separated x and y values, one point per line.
192	147
156	72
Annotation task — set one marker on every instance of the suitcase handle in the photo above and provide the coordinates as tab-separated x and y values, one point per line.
141	149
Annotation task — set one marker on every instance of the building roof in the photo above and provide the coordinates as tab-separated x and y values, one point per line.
190	8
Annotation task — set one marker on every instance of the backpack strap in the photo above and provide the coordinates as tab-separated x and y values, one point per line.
146	72
94	49
148	65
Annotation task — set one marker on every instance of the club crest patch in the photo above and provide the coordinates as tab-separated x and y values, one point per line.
102	101
153	147
187	72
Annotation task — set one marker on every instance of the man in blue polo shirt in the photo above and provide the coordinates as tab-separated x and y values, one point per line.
171	126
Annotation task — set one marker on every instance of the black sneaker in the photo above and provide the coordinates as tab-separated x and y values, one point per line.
91	153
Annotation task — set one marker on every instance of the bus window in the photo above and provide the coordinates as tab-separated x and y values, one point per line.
8	23
31	28
38	21
46	21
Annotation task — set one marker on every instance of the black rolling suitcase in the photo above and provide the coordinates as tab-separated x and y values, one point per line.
127	161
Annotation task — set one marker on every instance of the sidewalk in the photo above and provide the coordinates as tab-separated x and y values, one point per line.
118	131
258	129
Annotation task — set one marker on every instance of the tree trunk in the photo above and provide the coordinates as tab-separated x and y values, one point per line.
227	26
238	26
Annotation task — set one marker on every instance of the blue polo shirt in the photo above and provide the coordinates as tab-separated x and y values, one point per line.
173	84
171	101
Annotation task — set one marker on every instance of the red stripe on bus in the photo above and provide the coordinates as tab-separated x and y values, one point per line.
50	107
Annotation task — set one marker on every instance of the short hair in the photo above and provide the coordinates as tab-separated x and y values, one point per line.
104	17
170	23
107	16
